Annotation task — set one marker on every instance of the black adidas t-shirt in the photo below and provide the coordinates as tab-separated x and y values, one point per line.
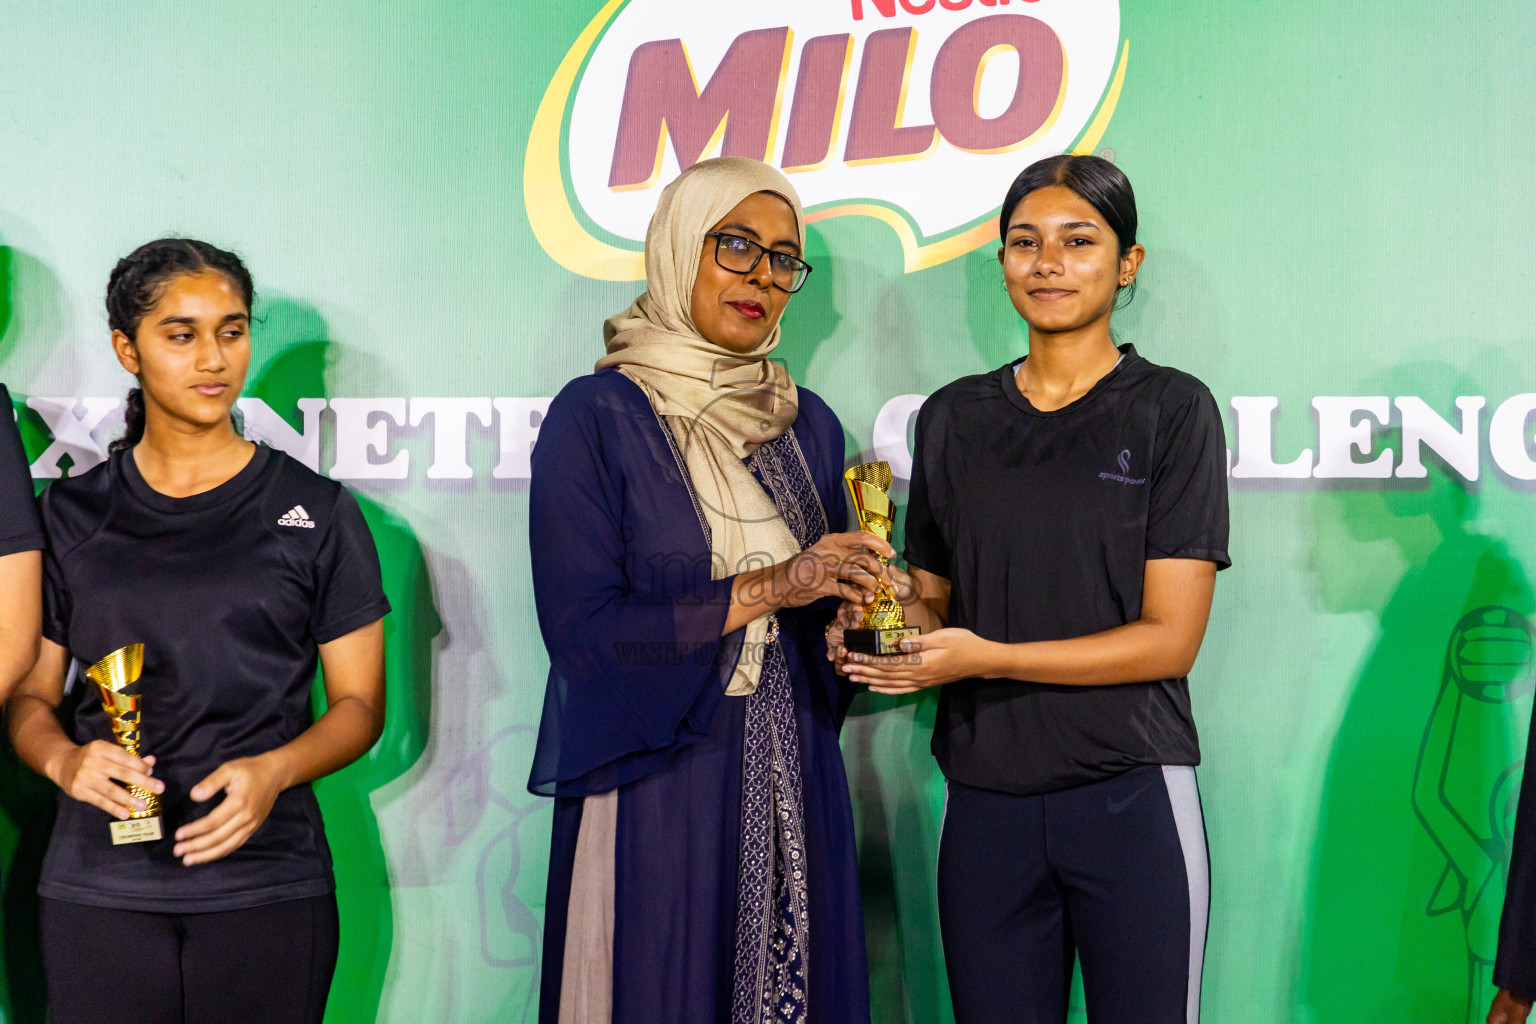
1043	522
19	528
230	591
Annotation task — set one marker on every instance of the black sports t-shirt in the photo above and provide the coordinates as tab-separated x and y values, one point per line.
1043	522
230	591
19	528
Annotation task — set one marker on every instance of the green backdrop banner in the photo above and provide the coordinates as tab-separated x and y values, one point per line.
441	203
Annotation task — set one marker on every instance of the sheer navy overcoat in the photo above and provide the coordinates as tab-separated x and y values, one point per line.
635	702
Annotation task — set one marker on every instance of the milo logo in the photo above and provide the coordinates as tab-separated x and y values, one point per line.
916	112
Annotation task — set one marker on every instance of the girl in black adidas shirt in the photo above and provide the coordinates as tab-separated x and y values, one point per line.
238	569
1067	517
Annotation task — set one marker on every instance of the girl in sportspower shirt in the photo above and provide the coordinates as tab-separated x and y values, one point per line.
1067	516
238	569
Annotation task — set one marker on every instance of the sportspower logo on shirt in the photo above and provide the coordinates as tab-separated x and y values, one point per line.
296	516
1125	467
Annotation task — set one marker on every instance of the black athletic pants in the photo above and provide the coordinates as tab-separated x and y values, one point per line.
1115	871
264	965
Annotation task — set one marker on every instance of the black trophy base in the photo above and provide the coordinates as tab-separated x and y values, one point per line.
877	641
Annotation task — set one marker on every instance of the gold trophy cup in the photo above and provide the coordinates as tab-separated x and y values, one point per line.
885	627
112	675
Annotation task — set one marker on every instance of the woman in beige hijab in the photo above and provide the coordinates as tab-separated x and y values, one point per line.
685	523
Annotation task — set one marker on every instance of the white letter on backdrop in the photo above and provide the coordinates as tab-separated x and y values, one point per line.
71	433
1256	443
1507	437
262	424
357	437
890	433
519	420
1423	426
1338	434
450	432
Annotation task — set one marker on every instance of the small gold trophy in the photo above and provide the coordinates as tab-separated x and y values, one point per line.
885	627
112	675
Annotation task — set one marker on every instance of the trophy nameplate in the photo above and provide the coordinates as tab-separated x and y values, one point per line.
885	625
112	676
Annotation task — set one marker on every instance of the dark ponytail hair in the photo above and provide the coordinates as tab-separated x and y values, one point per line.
137	283
1098	182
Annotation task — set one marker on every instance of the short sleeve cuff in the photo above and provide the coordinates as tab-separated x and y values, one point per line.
918	560
32	540
1524	987
338	628
1217	555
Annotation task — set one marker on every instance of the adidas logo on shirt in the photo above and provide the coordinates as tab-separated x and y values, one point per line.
296	516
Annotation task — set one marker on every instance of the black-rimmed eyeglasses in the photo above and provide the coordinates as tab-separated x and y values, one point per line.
739	255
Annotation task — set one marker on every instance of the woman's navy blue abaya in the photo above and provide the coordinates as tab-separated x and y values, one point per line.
636	704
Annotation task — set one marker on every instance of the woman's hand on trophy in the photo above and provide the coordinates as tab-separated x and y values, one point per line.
841	565
869	567
931	659
250	786
97	772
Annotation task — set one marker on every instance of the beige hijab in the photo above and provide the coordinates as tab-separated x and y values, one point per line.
720	405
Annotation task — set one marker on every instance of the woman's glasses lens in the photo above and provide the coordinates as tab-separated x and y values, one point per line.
739	255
